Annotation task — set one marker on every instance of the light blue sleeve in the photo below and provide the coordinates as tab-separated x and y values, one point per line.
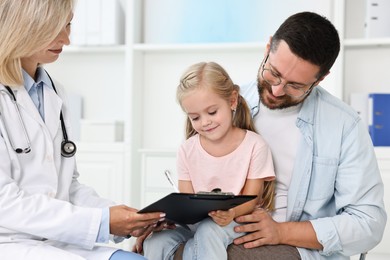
104	229
360	222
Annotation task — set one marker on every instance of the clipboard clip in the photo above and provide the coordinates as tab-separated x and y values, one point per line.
215	194
215	191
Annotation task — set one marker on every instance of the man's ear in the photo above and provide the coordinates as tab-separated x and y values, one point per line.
268	47
322	78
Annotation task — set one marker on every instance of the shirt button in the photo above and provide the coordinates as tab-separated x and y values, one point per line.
49	158
52	194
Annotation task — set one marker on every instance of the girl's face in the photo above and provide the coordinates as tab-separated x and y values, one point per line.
50	53
210	115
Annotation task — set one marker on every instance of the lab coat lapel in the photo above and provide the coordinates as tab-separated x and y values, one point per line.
25	102
53	105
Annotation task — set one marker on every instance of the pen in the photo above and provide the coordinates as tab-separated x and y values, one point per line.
168	174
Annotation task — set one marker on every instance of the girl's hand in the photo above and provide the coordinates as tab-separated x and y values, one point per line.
223	217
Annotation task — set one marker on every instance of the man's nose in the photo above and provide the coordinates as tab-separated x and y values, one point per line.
278	90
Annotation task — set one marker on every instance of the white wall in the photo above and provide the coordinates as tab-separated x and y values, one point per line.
192	21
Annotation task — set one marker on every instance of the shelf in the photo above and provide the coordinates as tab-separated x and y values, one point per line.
95	49
252	46
375	42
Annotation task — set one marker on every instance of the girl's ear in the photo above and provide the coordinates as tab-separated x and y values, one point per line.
234	100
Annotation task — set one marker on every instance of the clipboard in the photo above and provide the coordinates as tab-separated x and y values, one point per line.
190	208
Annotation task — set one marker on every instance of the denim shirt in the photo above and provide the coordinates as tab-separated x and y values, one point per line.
336	183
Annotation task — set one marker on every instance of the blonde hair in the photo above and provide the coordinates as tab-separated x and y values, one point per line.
212	76
25	27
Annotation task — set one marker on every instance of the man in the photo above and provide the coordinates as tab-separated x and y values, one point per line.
329	193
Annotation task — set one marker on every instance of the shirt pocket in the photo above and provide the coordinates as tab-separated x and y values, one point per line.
323	177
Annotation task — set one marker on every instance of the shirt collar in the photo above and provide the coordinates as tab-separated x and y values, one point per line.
41	77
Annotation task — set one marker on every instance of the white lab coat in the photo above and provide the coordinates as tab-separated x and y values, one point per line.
41	201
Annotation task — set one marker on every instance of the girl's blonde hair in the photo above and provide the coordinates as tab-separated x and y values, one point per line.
27	26
212	76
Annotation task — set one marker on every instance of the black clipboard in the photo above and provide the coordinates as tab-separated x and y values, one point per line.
189	208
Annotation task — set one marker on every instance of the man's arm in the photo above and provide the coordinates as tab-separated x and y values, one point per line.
265	231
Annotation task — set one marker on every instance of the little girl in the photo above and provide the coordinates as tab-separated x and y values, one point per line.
222	151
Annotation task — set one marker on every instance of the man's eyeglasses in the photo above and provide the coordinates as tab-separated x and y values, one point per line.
291	89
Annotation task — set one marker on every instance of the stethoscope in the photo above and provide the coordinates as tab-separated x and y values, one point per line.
68	148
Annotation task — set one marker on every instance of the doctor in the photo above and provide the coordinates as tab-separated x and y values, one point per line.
45	212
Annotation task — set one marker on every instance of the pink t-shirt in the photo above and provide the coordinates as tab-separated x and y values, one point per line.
251	160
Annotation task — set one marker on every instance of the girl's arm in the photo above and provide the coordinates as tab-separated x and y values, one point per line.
251	187
185	187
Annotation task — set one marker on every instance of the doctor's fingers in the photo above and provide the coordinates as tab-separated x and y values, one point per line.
140	232
129	215
137	221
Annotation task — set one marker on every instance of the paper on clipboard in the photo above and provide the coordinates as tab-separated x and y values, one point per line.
188	208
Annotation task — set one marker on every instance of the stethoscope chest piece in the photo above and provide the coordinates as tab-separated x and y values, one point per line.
68	148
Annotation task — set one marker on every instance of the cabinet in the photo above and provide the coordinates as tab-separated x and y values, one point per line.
154	184
103	167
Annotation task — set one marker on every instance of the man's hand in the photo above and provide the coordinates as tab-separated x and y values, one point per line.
126	221
263	230
222	217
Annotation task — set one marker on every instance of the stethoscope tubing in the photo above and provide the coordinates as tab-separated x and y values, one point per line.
68	148
13	100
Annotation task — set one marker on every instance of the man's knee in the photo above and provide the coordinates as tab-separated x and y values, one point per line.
280	252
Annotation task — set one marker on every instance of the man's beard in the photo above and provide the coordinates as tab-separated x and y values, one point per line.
280	102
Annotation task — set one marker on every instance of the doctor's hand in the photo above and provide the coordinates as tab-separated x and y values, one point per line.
126	221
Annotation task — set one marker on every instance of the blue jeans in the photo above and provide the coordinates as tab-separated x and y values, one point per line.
207	240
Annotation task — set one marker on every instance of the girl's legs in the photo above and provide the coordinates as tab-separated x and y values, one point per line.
210	241
163	245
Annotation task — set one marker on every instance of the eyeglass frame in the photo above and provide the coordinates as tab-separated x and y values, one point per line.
304	93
